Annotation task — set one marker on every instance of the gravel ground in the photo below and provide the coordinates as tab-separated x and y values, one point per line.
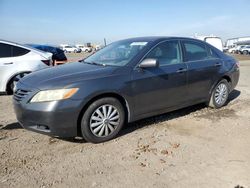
192	147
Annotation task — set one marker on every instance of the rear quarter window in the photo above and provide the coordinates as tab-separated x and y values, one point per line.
18	51
195	51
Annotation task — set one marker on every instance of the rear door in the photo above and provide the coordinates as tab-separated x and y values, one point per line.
160	87
203	69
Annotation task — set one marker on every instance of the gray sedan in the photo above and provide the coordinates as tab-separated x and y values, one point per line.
126	81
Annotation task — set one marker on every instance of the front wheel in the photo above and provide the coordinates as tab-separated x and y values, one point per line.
220	94
102	120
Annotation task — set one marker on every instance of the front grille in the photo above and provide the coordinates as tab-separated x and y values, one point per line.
20	94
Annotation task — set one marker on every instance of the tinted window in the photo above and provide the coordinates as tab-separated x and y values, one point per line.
195	51
17	51
5	50
167	53
212	53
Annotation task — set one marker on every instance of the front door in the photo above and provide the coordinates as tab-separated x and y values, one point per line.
162	87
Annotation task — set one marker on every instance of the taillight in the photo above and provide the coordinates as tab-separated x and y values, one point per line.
238	64
46	62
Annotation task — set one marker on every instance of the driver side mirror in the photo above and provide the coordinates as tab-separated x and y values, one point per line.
149	63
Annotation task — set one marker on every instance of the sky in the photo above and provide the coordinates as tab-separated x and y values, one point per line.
82	21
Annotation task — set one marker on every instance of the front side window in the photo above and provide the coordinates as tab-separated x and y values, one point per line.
195	51
118	53
166	53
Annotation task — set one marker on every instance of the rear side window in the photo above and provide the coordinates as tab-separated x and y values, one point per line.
166	53
195	51
7	50
17	51
212	53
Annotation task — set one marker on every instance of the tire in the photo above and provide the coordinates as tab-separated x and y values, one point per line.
95	127
220	94
75	51
13	81
245	52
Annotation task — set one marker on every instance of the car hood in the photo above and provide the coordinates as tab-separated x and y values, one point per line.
64	75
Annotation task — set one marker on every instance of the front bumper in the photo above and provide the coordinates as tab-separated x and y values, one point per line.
56	118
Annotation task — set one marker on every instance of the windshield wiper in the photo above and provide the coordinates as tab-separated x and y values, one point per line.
94	63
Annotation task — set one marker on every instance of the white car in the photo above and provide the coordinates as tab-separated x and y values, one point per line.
18	60
232	50
84	48
213	40
69	49
245	50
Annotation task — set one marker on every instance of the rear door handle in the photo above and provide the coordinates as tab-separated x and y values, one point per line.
217	64
8	63
181	70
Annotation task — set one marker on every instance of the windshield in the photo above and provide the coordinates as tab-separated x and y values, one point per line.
117	54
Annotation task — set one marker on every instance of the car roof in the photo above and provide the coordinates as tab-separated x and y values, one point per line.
158	38
23	46
42	45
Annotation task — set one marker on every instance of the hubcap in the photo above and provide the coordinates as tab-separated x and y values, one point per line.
221	94
104	120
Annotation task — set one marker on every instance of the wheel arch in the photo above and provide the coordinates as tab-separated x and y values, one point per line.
226	77
119	97
7	84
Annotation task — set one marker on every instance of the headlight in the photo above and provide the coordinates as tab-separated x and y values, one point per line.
53	95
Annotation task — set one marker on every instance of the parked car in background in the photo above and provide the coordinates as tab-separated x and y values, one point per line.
18	60
213	40
232	50
69	49
98	47
238	48
58	54
245	50
126	81
84	48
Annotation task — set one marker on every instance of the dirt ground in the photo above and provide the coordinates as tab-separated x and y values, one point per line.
192	147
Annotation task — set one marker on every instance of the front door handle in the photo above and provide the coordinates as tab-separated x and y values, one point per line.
217	64
181	70
8	63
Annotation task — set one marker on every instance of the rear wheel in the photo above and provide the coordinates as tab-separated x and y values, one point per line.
102	120
220	94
